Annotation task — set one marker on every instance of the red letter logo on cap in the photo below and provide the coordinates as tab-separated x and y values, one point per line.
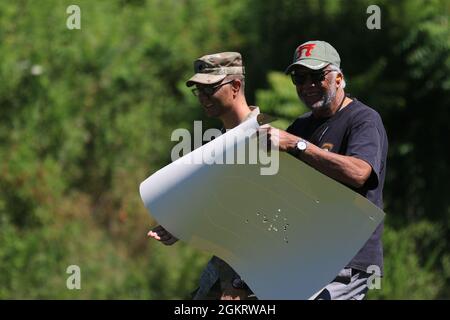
307	48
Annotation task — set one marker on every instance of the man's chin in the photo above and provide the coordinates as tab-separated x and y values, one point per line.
316	106
313	105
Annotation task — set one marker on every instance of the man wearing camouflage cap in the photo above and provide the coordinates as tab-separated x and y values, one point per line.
345	140
219	81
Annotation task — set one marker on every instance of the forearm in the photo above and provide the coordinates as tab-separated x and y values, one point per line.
346	169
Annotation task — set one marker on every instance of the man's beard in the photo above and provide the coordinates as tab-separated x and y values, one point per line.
324	103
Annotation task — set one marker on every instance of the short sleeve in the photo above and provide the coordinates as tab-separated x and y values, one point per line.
365	143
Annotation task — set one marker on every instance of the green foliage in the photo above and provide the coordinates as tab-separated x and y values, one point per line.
86	115
280	100
416	263
34	265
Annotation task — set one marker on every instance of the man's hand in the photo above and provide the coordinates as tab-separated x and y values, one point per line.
277	138
162	235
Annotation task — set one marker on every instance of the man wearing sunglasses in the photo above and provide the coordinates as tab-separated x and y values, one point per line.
219	85
345	140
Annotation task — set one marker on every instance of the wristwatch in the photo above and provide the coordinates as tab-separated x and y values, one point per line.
300	147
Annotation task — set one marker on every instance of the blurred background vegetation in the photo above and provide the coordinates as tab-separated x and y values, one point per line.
86	115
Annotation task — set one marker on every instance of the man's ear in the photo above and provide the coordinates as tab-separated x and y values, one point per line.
339	79
236	85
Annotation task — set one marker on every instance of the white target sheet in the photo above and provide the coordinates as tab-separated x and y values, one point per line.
287	234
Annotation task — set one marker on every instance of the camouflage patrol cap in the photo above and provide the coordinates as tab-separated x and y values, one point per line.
315	55
215	67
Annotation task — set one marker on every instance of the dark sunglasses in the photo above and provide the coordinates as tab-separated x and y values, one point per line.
208	90
300	78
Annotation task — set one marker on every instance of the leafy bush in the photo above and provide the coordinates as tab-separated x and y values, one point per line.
413	255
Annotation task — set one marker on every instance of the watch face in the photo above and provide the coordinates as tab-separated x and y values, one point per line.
301	145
